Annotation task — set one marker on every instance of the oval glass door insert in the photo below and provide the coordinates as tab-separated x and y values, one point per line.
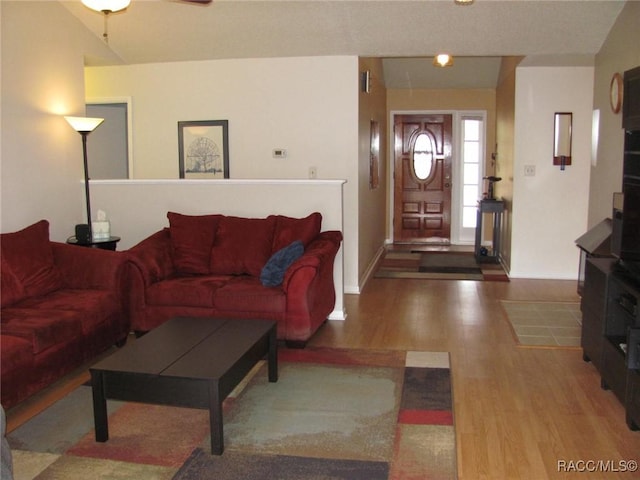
423	156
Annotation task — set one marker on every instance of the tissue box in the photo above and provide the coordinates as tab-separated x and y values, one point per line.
100	230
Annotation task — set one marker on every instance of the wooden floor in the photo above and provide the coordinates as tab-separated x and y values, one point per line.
519	411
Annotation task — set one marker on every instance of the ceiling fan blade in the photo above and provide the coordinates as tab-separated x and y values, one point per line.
197	1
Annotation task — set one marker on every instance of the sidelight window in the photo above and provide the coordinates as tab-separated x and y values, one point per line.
472	135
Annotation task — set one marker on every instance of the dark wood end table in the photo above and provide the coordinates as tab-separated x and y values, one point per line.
102	243
185	362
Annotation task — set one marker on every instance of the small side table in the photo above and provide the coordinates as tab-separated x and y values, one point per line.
103	243
489	206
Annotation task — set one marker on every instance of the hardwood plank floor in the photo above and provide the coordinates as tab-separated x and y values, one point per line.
520	412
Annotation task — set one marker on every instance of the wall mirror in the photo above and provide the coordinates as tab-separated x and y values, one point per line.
562	139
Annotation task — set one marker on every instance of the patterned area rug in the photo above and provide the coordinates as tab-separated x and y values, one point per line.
333	414
545	324
438	265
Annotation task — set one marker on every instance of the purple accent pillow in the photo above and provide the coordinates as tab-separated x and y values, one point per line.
273	272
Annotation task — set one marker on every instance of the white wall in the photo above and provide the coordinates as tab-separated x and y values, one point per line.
550	208
138	208
43	50
306	105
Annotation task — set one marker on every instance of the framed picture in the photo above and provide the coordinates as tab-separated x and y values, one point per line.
203	148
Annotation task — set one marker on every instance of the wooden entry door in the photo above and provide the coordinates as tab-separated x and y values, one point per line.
422	185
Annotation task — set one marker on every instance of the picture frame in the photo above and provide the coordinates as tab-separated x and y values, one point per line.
203	149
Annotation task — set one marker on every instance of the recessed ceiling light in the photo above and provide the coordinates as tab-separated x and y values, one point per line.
443	60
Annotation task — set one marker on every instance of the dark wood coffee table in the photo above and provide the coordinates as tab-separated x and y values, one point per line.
185	362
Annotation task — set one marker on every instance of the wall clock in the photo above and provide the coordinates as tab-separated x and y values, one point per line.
615	92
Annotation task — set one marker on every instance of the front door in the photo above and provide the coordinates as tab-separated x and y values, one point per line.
422	185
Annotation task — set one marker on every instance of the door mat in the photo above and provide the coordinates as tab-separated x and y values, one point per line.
545	324
438	265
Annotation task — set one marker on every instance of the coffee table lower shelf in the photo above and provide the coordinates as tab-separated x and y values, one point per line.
186	362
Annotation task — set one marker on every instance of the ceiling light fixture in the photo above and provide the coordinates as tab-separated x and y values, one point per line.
106	7
463	2
443	60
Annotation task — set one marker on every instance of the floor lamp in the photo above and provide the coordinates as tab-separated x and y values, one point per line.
84	126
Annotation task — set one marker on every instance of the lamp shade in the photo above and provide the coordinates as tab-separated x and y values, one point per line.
106	5
84	124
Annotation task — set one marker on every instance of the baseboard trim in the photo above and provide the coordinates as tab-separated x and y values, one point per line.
340	315
371	268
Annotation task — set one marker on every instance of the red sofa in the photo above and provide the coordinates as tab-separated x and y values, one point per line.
214	266
62	305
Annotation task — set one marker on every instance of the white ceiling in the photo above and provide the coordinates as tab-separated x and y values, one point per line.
402	32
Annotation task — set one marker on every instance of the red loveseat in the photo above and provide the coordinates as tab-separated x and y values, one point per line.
62	305
214	266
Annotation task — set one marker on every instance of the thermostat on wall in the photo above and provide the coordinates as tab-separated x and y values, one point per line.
279	153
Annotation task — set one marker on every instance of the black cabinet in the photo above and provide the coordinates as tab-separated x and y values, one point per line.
611	331
594	308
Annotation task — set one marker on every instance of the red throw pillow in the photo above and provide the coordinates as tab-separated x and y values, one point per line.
242	245
192	237
290	229
30	257
11	289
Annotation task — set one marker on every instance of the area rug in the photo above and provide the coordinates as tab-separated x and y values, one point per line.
333	414
438	265
545	324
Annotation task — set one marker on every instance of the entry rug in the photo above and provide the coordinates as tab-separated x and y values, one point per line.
545	324
333	414
438	265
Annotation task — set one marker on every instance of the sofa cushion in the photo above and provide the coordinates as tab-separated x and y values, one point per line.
153	256
289	229
96	306
29	255
191	291
247	295
44	328
273	272
16	353
192	237
11	288
242	245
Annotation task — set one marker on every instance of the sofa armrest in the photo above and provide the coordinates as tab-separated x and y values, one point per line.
84	267
321	250
152	257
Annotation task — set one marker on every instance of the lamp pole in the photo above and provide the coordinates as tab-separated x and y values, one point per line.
86	181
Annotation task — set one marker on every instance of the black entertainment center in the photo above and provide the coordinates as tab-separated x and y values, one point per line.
611	295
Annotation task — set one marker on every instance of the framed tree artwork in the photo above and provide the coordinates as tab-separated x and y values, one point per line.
203	149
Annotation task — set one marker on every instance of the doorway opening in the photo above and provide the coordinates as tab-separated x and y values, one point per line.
110	149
